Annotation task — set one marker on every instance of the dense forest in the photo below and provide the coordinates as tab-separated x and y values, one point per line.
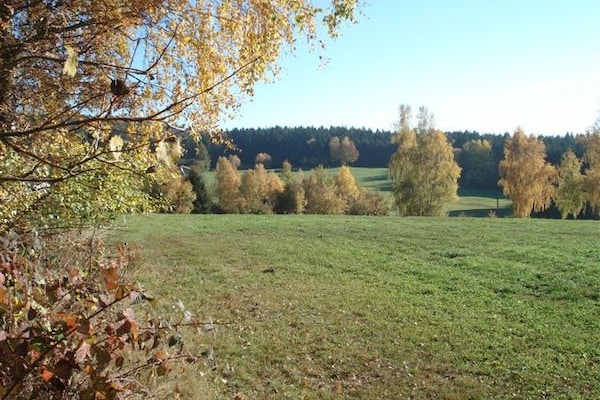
308	147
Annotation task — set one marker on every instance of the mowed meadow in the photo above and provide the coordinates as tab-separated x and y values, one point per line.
309	307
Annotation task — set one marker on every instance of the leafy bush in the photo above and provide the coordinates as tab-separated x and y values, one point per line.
72	326
368	203
176	195
292	200
260	189
321	195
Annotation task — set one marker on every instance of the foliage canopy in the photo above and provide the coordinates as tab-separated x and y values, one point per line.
423	169
95	86
525	176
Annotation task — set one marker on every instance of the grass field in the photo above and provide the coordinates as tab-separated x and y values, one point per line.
319	307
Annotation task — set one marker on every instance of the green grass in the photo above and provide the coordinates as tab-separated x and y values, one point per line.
366	308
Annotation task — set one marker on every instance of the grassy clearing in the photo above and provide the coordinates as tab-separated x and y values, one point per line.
359	307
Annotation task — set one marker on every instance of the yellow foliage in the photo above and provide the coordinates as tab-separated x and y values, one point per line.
592	188
80	72
227	186
569	195
525	176
320	194
423	169
346	184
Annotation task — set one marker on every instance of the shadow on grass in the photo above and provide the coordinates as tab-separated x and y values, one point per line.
482	212
374	178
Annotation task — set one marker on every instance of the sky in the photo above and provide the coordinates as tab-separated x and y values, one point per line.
479	65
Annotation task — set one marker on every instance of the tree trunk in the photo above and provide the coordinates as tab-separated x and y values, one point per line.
9	50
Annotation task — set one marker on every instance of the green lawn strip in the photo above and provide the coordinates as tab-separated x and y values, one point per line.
384	307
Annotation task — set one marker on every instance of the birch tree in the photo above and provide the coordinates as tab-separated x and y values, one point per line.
525	176
77	74
591	159
569	195
227	186
423	169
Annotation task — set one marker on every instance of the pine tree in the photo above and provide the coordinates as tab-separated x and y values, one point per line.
203	203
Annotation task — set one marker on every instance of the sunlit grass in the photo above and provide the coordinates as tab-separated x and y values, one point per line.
360	307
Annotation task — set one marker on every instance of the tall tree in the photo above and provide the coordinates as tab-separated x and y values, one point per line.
343	150
227	186
335	148
525	176
423	169
569	195
345	184
203	202
591	141
90	92
75	74
348	151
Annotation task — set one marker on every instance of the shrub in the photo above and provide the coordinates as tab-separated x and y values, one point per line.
321	195
175	195
292	200
368	203
70	323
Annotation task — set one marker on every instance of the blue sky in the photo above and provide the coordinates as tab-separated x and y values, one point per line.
484	65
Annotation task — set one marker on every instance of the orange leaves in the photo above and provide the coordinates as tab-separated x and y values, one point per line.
111	277
47	375
4	296
69	320
73	323
128	325
112	283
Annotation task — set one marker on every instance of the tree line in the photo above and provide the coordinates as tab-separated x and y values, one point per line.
478	154
543	176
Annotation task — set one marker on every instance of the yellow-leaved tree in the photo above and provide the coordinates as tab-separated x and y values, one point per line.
345	184
93	95
321	194
591	158
525	176
76	74
569	195
423	169
227	186
260	189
